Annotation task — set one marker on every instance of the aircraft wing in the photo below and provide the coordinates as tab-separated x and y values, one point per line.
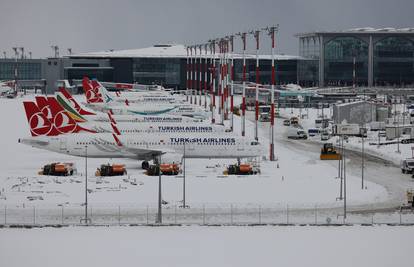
148	153
141	153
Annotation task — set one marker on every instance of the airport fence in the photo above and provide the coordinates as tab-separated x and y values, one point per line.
204	214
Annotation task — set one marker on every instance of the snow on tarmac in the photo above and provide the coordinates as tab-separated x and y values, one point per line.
298	177
365	246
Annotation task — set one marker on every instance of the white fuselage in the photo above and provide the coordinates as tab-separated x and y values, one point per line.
146	146
152	109
102	117
153	127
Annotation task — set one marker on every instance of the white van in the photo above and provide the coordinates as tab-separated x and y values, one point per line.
295	133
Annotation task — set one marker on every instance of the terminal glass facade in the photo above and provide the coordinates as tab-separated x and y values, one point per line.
394	61
309	47
285	71
164	71
25	70
101	74
308	72
339	54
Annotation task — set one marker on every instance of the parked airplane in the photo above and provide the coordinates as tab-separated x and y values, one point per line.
102	102
131	97
145	146
51	108
66	100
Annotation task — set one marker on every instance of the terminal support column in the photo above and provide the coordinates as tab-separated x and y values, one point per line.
370	62
321	62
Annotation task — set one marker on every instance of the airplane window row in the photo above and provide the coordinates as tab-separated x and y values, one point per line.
95	143
207	144
150	131
176	144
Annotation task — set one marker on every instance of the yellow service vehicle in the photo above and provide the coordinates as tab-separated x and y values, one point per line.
328	152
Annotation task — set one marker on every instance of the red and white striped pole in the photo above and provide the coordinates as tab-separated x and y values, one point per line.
227	69
205	75
243	107
200	86
213	81
222	82
272	99
191	75
187	74
195	75
219	71
231	81
256	129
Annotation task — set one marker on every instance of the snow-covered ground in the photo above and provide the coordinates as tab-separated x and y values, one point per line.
365	246
392	152
297	178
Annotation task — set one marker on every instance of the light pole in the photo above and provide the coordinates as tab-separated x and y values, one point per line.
22	52
221	73
398	126
200	75
227	77
231	81
271	32
187	73
344	182
195	75
16	54
159	214
56	50
213	81
184	203
86	220
362	143
205	75
191	75
256	129
243	106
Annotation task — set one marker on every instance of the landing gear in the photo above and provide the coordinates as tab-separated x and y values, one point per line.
145	165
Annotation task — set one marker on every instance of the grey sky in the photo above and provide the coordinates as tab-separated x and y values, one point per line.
108	24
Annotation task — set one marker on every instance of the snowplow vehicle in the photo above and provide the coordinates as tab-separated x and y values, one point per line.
58	169
111	170
166	169
241	169
328	152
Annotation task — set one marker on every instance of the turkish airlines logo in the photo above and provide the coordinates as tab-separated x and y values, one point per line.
93	95
73	104
47	112
39	125
63	123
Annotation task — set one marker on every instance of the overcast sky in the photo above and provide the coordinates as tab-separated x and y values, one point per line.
95	25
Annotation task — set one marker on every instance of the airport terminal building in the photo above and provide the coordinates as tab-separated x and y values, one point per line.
164	64
383	57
